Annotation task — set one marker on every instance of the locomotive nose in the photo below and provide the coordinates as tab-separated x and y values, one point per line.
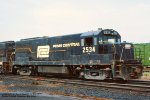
126	51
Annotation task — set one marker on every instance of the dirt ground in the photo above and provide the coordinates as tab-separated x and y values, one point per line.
4	88
146	78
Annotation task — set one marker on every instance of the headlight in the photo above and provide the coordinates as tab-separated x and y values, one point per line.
127	46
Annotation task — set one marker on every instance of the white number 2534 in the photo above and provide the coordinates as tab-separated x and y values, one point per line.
88	49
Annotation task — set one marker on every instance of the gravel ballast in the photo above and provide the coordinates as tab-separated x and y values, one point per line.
19	85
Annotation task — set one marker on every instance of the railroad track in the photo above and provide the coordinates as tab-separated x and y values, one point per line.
132	85
139	82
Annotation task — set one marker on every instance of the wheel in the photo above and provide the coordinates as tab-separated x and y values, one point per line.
1	69
15	70
25	71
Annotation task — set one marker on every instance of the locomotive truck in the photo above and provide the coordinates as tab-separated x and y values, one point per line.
95	55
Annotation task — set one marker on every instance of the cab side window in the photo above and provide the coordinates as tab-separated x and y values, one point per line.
88	41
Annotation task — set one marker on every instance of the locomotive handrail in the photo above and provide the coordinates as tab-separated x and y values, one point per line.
57	50
29	49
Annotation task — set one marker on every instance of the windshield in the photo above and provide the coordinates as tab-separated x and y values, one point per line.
108	39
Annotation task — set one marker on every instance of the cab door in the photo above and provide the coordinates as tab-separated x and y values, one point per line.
88	45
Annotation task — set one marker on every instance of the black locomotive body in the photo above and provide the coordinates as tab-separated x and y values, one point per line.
93	55
6	56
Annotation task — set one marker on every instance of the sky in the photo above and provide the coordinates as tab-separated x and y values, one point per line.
20	19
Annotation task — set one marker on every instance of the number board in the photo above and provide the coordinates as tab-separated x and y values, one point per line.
88	49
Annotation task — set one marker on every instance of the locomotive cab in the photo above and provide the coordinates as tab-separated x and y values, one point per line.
109	57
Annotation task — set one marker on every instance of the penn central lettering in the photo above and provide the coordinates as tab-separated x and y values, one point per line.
72	44
57	45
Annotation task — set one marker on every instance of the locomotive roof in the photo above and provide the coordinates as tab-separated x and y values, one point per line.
90	33
7	42
3	44
83	34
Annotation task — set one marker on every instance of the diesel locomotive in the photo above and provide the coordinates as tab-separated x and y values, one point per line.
95	55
